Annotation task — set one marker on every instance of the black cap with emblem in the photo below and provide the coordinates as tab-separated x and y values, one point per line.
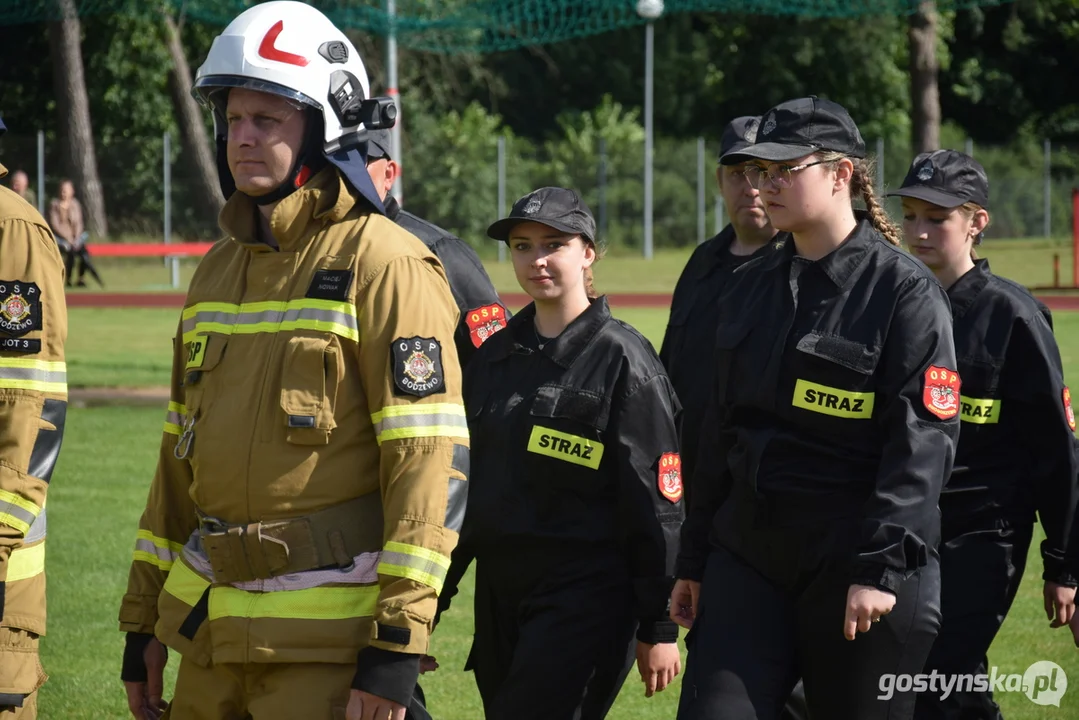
559	208
947	178
801	127
739	134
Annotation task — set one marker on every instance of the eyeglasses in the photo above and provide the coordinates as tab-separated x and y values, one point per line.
780	175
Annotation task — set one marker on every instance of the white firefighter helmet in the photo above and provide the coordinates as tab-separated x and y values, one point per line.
292	50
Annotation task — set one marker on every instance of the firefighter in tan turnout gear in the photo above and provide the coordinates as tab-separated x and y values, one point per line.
33	404
312	471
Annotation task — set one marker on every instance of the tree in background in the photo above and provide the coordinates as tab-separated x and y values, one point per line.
73	108
924	71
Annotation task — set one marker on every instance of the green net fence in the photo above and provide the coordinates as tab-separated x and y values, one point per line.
452	26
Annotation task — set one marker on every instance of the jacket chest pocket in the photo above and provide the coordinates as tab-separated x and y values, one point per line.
202	357
567	425
979	394
733	359
311	373
833	376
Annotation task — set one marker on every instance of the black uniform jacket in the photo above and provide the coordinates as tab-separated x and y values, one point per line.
1016	450
835	405
574	455
691	331
482	312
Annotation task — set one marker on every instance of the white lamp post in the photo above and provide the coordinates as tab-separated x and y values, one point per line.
650	10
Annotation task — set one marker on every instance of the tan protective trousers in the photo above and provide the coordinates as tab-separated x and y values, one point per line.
20	672
261	691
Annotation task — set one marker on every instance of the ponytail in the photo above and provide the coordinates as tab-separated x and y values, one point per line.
589	287
861	183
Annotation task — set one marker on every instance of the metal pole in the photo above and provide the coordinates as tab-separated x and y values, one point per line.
970	147
41	172
880	165
501	190
1048	189
601	182
391	81
719	214
166	168
701	210
649	43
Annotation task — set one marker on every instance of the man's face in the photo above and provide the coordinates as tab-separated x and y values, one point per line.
743	201
265	135
384	172
19	182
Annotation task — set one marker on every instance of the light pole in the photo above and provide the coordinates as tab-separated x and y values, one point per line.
650	10
391	81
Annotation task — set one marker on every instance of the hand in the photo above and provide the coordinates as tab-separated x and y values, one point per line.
1059	601
144	698
365	706
427	664
865	605
684	602
658	664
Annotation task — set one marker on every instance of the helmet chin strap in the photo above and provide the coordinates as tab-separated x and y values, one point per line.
308	161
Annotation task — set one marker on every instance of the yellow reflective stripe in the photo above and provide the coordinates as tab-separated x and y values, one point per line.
415	563
28	374
174	418
565	446
18	501
979	411
395	422
17	512
320	603
271	317
26	562
153	559
832	401
163	543
177	408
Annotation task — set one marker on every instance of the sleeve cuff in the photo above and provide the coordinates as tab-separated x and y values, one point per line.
133	668
387	674
881	577
689	569
654	632
1057	571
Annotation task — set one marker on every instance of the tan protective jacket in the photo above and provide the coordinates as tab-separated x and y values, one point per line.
304	379
33	405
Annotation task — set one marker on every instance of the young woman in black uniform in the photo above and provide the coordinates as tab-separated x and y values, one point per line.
1016	453
574	498
809	545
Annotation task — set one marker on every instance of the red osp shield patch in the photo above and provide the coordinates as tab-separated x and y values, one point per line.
670	476
940	392
1068	412
483	322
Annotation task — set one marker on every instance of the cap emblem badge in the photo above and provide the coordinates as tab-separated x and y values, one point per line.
533	206
750	135
769	125
925	172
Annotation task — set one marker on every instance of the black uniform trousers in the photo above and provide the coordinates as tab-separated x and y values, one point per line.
751	640
981	571
556	649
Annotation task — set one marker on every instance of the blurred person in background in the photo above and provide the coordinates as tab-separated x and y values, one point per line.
33	406
575	497
20	185
1016	451
482	312
65	218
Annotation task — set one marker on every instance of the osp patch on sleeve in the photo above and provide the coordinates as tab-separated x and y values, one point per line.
483	322
196	351
940	392
417	366
20	307
670	476
1068	412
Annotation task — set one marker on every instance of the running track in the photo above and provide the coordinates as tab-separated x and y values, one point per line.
514	300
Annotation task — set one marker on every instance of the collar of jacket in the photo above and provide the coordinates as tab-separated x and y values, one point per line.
840	264
966	289
392	208
568	346
324	197
717	252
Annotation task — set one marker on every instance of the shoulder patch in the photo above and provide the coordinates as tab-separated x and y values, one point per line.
670	476
940	392
483	322
20	307
1068	412
330	285
417	366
